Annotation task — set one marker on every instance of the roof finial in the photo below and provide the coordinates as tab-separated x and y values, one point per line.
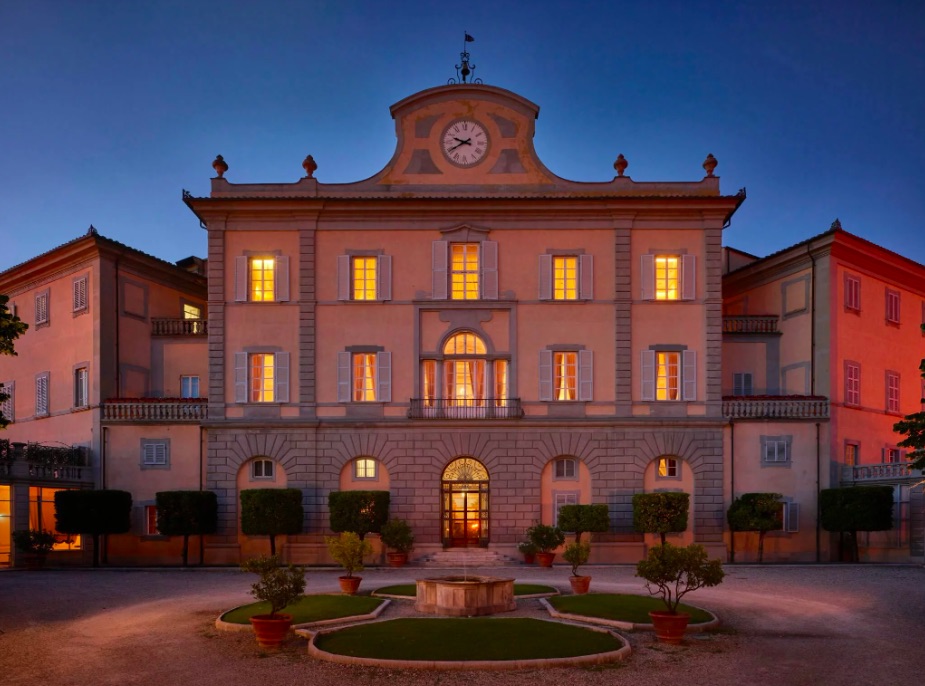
836	225
220	166
309	165
709	164
621	164
464	70
92	231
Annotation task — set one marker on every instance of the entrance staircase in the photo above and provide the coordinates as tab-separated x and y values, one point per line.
465	557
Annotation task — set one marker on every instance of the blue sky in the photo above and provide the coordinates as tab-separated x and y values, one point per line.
109	109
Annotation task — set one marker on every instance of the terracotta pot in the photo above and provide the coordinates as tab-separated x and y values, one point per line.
580	584
669	628
545	559
529	558
397	559
271	630
349	584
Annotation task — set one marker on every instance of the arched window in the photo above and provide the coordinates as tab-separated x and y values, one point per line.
467	381
262	469
364	468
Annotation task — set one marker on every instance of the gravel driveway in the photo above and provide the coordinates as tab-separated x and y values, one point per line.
791	626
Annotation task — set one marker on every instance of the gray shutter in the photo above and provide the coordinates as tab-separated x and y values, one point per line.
281	378
384	276
586	274
240	278
384	377
240	377
647	276
688	277
545	374
343	277
793	517
689	374
439	263
648	374
545	273
489	264
343	377
281	275
585	375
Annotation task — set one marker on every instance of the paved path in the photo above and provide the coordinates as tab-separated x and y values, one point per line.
788	626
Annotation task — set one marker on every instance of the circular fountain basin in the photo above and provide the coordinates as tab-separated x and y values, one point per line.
465	596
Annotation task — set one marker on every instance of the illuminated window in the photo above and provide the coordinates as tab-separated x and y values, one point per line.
464	271
851	454
189	386
501	383
667	375
42	516
364	468
565	375
667	468
364	279
262	279
191	311
565	278
81	387
151	521
364	377
262	378
667	285
892	392
566	468
262	469
79	292
669	277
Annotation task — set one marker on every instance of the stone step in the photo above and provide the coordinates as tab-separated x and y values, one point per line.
465	557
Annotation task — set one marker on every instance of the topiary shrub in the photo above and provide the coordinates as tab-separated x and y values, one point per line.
853	509
761	512
660	513
362	512
93	512
546	538
272	512
187	513
397	535
578	519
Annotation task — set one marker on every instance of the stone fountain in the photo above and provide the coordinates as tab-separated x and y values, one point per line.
465	596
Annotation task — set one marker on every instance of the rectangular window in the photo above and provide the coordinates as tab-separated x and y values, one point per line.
742	383
892	306
79	287
151	521
565	375
501	382
565	278
41	308
667	376
262	378
154	454
8	405
852	293
81	387
565	468
790	517
429	382
261	278
892	392
561	498
364	468
852	384
892	455
851	454
192	311
775	450
363	270
464	271
189	387
667	468
364	277
667	283
42	516
669	277
262	469
364	377
41	394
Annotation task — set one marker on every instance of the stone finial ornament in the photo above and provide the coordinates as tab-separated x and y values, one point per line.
836	225
92	231
621	164
220	166
709	164
309	165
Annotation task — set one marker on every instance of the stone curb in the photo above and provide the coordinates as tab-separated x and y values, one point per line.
222	625
626	626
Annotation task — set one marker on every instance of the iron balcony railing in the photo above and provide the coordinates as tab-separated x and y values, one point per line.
155	410
776	407
887	471
473	408
756	323
42	461
178	327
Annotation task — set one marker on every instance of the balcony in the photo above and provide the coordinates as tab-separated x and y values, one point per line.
757	323
155	410
776	407
38	461
162	326
475	408
886	472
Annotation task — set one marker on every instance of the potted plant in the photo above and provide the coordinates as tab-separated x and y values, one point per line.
546	539
397	535
33	546
577	554
672	572
348	550
528	550
278	586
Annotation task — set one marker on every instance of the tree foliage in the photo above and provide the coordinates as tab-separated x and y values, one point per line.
93	512
671	572
912	426
581	518
271	512
11	328
761	512
279	586
348	550
362	512
853	509
661	513
186	513
545	538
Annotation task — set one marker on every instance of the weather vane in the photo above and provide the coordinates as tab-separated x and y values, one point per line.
465	70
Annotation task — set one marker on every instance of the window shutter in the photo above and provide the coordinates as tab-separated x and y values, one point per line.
585	375
439	262
688	277
80	294
384	276
586	274
343	377
384	377
281	378
648	284
648	374
343	277
545	374
240	377
689	373
793	517
545	273
489	262
8	406
281	277
240	278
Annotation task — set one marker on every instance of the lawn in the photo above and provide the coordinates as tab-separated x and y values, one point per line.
310	608
620	607
478	638
410	590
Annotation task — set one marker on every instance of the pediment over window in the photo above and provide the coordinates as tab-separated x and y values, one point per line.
465	233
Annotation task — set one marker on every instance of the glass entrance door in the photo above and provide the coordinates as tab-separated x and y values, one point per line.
465	503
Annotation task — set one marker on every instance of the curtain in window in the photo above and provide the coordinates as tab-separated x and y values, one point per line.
565	376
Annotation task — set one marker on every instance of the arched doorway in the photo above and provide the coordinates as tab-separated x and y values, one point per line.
465	503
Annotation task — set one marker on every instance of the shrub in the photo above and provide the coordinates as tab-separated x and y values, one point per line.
546	538
660	513
348	550
527	548
397	535
674	572
186	513
761	512
361	512
581	518
93	512
34	541
577	554
279	586
271	512
853	509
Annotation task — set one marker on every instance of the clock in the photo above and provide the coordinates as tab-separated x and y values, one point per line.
464	142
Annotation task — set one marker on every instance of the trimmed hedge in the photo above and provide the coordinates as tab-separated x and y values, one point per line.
362	512
271	512
186	513
853	509
660	513
93	512
761	512
578	519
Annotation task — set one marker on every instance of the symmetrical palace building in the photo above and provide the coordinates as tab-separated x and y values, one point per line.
481	338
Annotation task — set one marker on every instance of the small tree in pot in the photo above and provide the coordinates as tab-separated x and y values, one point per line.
577	554
278	586
397	535
528	550
672	572
546	539
348	550
578	519
32	547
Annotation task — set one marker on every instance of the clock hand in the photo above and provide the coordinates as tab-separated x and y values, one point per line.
468	141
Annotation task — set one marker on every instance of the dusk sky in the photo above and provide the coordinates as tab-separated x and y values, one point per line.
110	108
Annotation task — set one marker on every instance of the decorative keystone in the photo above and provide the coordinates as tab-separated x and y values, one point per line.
309	165
621	164
709	164
220	166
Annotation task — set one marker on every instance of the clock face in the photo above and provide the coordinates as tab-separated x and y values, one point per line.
464	142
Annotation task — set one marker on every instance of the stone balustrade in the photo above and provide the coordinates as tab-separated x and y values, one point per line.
761	323
155	410
776	407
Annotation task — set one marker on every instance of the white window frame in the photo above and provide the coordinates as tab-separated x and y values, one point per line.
263	470
346	381
892	455
242	277
362	466
568	471
243	377
776	451
742	384
82	387
687	375
561	498
42	394
192	381
487	272
8	406
80	296
672	468
155	453
42	313
790	517
892	306
852	383
852	293
584	375
892	392
687	276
